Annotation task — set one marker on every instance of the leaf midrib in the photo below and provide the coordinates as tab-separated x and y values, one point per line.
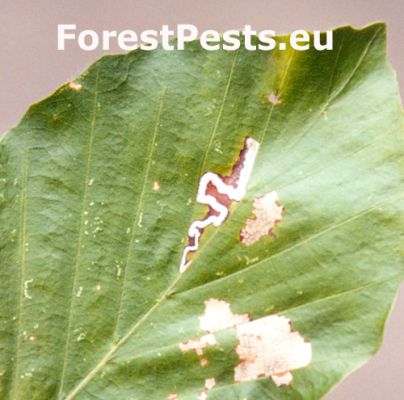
288	309
103	361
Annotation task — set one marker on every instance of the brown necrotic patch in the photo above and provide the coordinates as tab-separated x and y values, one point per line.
267	347
198	344
218	316
268	213
209	384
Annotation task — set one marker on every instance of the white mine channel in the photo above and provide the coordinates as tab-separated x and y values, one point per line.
233	192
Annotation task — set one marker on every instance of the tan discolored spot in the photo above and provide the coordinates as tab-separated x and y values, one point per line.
268	348
203	395
209	384
218	316
75	86
273	99
172	396
267	213
156	186
282	379
198	344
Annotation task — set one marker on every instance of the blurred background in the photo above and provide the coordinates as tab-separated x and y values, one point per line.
31	68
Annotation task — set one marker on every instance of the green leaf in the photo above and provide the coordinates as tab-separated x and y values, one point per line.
98	191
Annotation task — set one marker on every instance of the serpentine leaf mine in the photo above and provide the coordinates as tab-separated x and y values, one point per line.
218	193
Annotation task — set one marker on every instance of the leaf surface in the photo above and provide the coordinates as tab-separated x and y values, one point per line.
99	186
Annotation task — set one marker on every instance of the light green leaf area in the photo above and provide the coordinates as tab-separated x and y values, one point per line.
99	186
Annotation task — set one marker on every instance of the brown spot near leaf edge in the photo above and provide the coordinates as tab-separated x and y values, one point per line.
75	86
269	348
268	213
273	99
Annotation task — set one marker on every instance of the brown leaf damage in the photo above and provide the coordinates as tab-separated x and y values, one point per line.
218	316
267	347
218	192
209	384
198	344
268	213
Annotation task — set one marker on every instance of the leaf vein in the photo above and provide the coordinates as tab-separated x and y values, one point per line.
22	257
80	238
137	208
